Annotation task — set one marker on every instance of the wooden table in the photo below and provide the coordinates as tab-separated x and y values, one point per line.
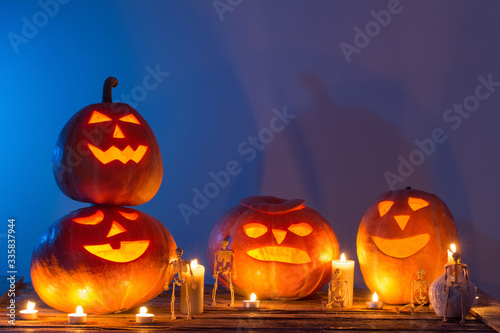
292	316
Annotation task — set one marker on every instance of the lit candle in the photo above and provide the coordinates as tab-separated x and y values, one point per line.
450	254
252	303
375	303
30	313
195	295
346	267
143	317
77	318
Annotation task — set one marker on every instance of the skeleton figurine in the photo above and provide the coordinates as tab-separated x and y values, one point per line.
456	276
338	292
222	265
419	293
180	267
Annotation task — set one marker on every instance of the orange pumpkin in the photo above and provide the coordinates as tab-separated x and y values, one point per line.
106	259
282	249
400	233
107	154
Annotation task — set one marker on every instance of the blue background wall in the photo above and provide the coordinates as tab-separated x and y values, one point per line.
356	116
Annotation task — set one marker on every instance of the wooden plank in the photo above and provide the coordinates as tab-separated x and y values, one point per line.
291	316
5	286
488	310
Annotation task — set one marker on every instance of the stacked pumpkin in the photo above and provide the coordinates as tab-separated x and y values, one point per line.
106	257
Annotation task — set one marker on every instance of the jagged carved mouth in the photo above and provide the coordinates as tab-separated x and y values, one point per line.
113	153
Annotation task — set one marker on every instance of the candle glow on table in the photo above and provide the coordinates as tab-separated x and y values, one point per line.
347	269
195	295
375	303
143	317
30	313
450	254
77	318
252	303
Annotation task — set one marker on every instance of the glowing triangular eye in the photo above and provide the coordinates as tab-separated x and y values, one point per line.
384	206
98	117
254	230
301	229
93	219
130	118
129	216
416	203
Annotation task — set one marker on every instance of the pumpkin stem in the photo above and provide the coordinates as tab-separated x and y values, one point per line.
408	188
109	84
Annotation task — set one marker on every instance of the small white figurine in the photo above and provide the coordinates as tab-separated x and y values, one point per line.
180	267
419	293
222	265
456	276
338	292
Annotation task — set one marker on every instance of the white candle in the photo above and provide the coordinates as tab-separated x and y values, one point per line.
143	317
252	303
450	254
375	303
195	295
30	313
77	318
346	268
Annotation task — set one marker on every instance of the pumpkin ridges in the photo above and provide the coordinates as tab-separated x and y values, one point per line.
75	269
396	274
275	279
81	176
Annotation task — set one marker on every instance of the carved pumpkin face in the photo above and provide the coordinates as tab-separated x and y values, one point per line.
106	259
404	231
108	154
282	249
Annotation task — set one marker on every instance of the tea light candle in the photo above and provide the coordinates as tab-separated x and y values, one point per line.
195	295
375	303
347	269
252	303
77	318
143	317
450	254
30	313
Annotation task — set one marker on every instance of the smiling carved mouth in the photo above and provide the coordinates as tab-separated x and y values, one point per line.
128	251
287	255
114	153
401	248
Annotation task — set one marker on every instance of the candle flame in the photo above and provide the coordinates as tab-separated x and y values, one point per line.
79	310
30	306
342	258
453	248
143	310
194	264
253	297
375	297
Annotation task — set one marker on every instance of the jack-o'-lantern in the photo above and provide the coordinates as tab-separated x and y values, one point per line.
107	154
402	232
282	249
106	259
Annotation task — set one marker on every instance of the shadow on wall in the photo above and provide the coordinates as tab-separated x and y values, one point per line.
335	157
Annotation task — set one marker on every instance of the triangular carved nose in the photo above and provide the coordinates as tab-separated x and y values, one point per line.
402	220
279	235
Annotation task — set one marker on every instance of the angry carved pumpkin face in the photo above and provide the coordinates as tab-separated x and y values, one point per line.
404	231
106	259
108	154
282	249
